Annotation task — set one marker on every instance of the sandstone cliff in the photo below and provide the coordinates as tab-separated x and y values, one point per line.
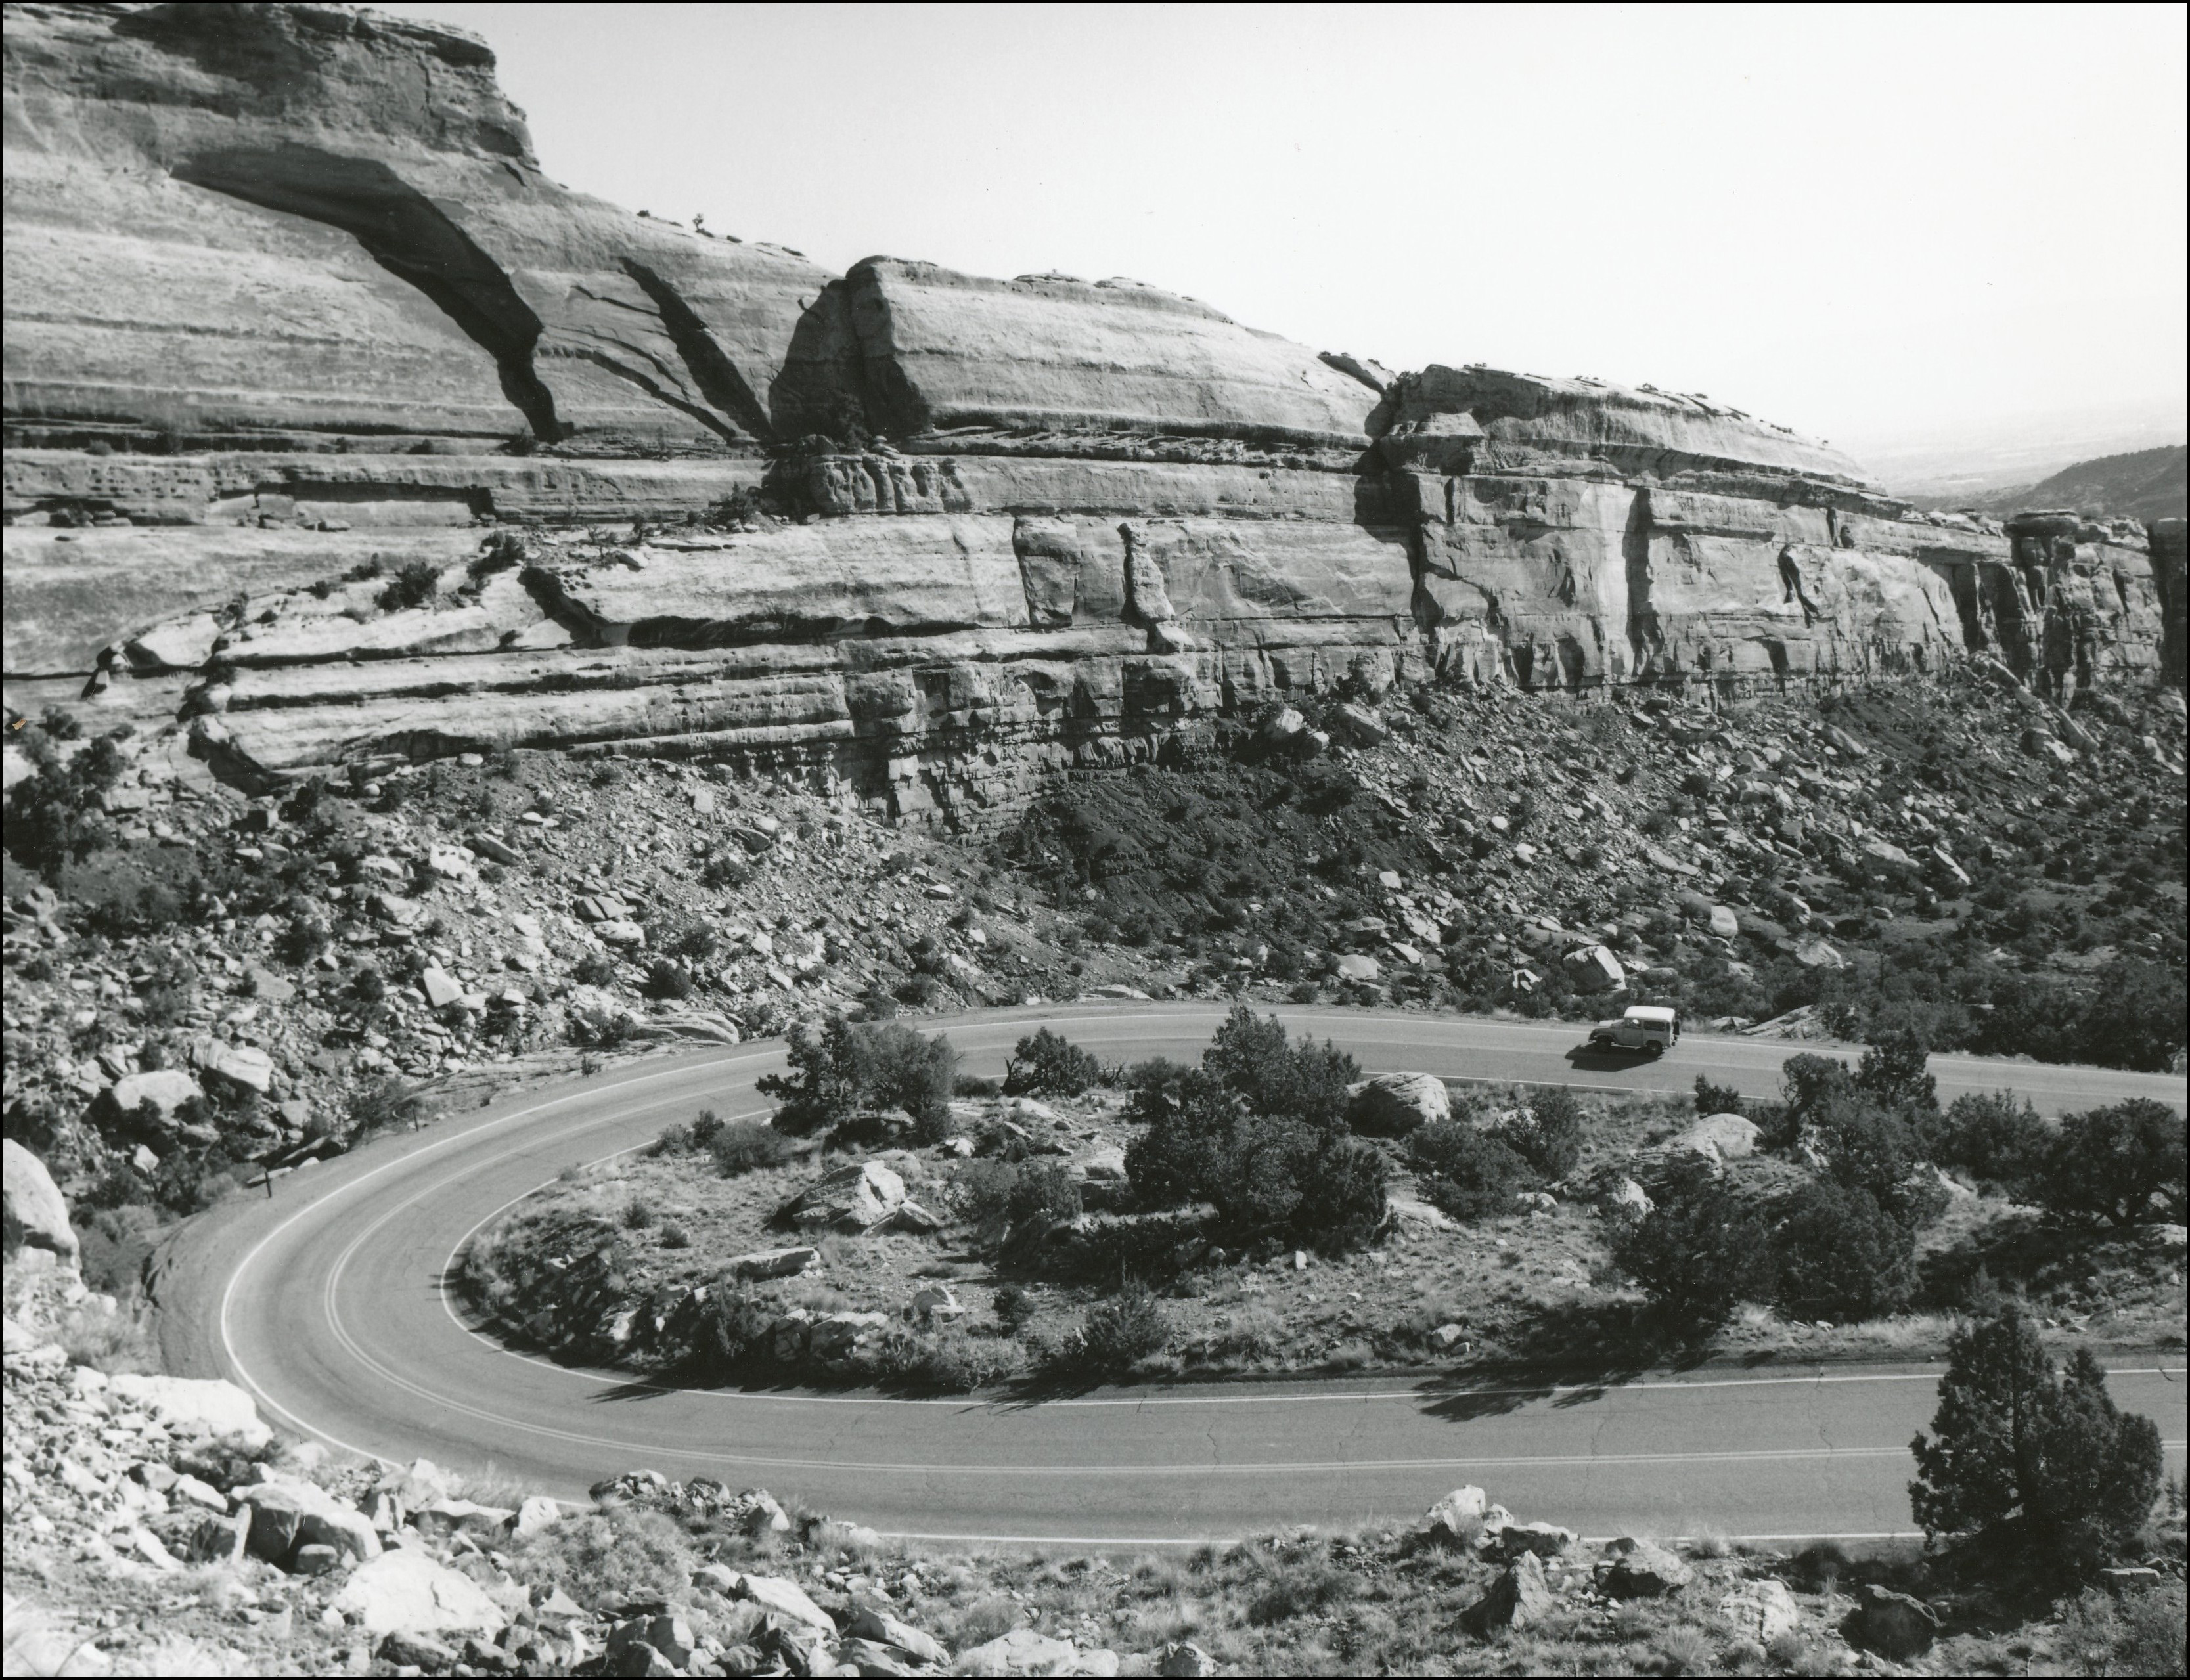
285	286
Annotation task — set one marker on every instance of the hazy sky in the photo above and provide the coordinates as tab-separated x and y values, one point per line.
1867	223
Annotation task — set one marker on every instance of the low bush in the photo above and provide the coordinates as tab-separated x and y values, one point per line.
2124	1165
1549	1139
1468	1173
748	1146
604	1559
668	980
53	814
949	1361
1015	1308
415	584
1309	1586
1045	1064
686	1138
1703	1251
850	1067
1259	1130
1117	1334
1995	1136
997	1196
1840	1255
2141	1633
385	1105
725	869
1716	1099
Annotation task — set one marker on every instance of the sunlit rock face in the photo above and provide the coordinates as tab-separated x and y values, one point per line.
290	307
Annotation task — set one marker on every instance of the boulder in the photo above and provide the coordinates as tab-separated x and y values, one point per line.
1595	969
773	1262
784	1598
244	1065
1626	1198
288	1514
834	1335
32	1213
1729	1137
534	1514
1458	1519
1024	1651
852	1198
1105	1165
1393	1104
1639	1569
219	1541
1761	1609
936	1301
267	985
1283	728
415	1651
1519	1598
1883	854
756	1513
407	1591
1814	951
463	1516
1184	1660
1543	1539
1352	965
1723	922
420	1483
1358	725
668	1636
884	1629
191	1405
441	990
1892	1624
156	1096
868	1657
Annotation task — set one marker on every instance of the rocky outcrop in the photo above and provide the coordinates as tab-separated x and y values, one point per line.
37	1219
310	225
291	309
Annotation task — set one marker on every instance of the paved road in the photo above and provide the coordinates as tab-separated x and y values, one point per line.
326	1301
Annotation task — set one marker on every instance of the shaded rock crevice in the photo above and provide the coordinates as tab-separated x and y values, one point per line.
407	234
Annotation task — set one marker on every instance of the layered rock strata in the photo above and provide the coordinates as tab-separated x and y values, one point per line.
291	308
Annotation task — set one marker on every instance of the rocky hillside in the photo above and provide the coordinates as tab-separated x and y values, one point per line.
293	313
2145	484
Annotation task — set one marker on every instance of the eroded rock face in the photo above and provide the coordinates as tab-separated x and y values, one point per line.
984	530
302	222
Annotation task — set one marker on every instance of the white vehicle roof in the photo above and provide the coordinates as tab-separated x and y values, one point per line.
1649	1011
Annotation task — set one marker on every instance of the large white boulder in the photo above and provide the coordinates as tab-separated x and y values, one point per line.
852	1197
784	1598
1024	1651
1762	1609
160	1093
1724	1136
407	1591
188	1404
1393	1104
287	1512
35	1216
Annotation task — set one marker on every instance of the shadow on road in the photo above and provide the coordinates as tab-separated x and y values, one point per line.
1585	1058
1570	1356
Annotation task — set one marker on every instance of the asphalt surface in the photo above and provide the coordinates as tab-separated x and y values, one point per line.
326	1301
